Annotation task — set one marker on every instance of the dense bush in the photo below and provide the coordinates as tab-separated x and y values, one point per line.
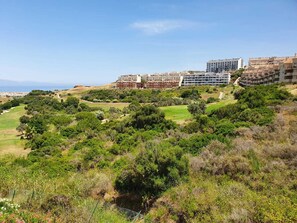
150	117
154	170
197	108
195	143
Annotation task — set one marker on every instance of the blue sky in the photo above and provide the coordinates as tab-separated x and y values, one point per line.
94	41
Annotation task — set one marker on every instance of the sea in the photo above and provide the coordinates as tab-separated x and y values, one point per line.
30	88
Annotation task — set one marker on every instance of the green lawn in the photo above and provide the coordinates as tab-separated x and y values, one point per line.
105	105
9	141
216	105
180	113
177	113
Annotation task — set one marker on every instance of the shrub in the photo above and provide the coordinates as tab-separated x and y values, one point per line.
195	143
211	100
156	169
197	108
72	102
150	117
225	128
47	139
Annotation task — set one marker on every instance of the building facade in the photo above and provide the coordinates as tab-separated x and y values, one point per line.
269	70
129	81
203	78
173	79
219	66
164	80
266	61
288	71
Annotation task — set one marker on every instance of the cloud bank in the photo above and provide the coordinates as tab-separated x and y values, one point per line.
161	26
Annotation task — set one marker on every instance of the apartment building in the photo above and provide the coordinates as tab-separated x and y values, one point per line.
288	71
266	61
256	76
129	81
164	80
203	78
219	66
269	70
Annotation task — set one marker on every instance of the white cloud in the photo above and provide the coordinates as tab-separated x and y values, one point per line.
161	26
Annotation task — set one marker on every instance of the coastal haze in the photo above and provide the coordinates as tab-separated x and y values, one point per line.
8	86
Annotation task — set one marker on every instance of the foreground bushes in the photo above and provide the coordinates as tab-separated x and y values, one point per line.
154	170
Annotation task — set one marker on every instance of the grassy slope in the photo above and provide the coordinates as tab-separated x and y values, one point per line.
180	113
217	105
177	113
105	105
9	141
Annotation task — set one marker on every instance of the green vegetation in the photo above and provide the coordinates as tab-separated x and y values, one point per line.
221	161
105	105
155	169
177	113
10	143
214	106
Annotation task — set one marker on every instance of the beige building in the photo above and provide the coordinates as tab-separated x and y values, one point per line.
269	70
288	71
266	61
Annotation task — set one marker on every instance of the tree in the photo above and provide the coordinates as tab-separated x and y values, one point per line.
197	108
24	119
192	94
61	120
22	128
156	169
148	117
38	123
72	101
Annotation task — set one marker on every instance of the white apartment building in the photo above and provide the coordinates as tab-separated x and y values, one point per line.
219	66
203	78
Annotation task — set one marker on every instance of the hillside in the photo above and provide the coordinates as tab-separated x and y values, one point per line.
10	142
174	155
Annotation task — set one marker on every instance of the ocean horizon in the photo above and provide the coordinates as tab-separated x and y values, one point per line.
30	88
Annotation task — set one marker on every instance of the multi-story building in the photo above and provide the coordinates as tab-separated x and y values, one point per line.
129	81
172	79
219	66
266	61
288	71
203	78
256	76
269	70
164	80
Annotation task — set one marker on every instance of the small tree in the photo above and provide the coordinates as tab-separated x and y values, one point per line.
197	108
22	128
72	101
